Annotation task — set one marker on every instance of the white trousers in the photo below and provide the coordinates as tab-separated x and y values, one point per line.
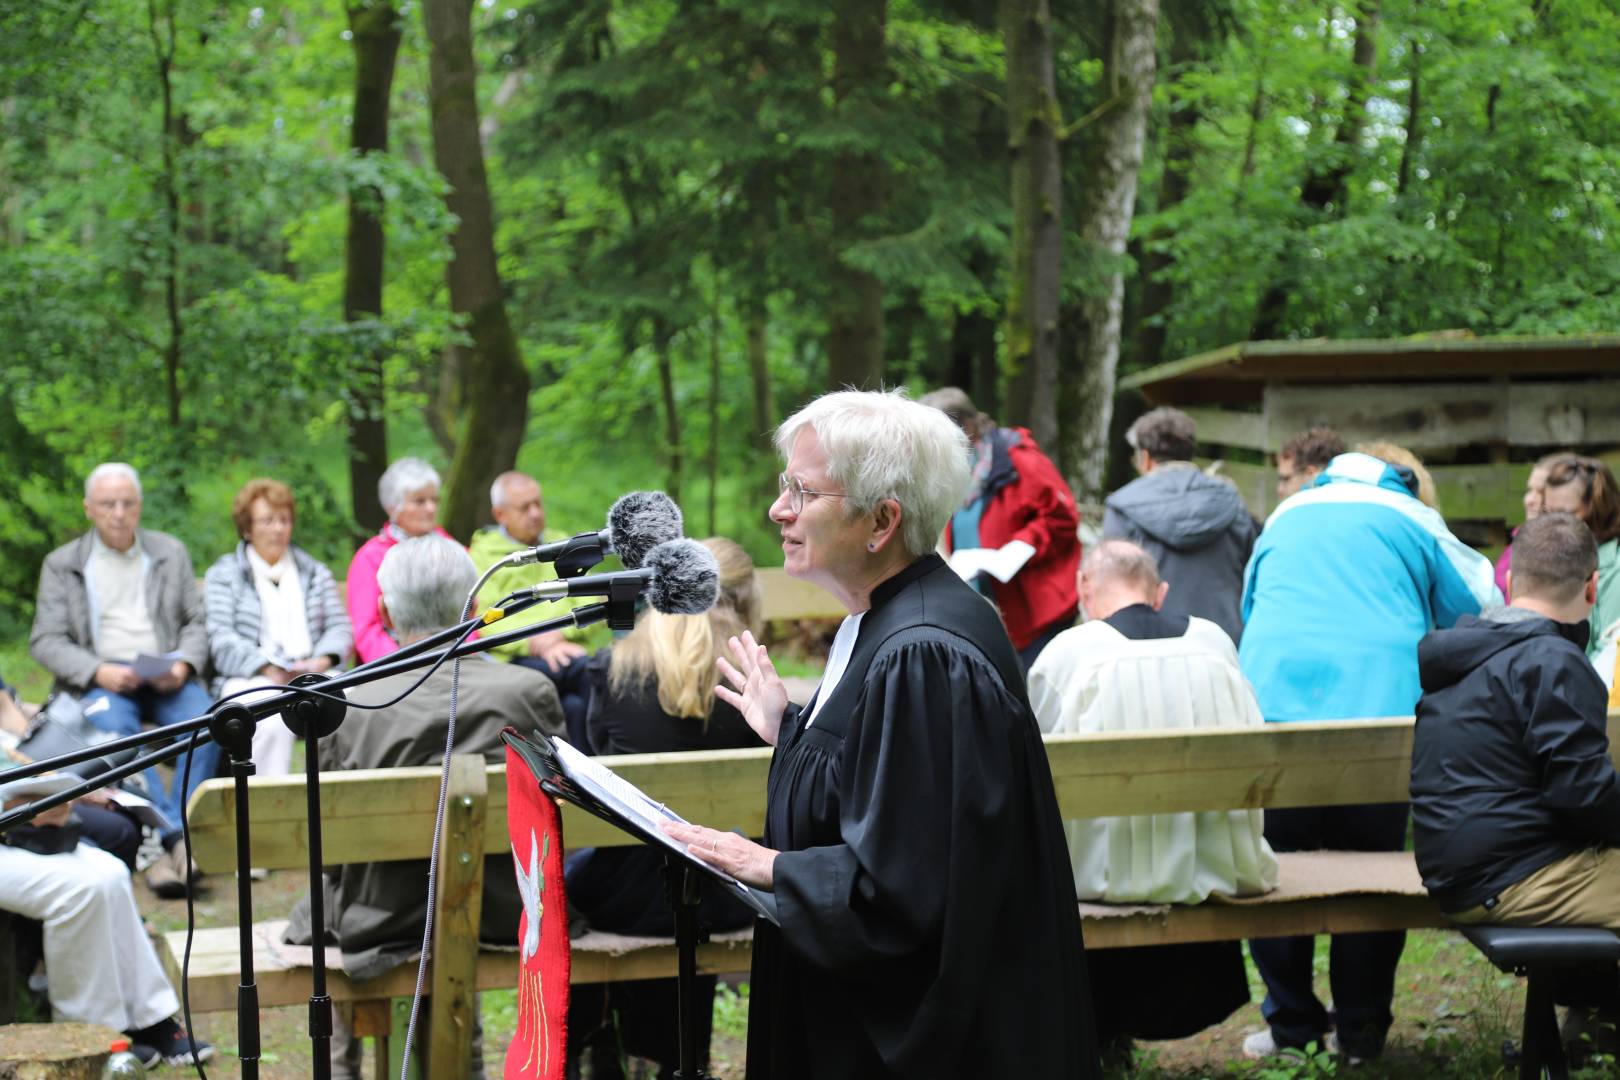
101	966
272	742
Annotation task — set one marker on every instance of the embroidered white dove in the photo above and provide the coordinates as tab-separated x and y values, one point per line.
530	885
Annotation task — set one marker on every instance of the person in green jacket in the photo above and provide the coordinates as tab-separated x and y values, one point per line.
520	522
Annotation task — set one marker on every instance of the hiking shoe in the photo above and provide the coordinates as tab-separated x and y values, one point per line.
171	1043
1259	1045
163	877
147	1055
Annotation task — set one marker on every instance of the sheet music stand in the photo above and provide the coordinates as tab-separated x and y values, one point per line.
683	874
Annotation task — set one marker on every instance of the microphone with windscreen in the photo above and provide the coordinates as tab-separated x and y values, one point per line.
636	524
678	577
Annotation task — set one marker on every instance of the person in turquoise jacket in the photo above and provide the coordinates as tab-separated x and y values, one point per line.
1348	575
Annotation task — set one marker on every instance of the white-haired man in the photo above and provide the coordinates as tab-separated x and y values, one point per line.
378	909
520	522
1134	666
114	595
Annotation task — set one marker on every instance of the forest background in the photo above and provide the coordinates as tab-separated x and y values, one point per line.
616	241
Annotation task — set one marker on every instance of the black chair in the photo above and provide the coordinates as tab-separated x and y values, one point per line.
1543	953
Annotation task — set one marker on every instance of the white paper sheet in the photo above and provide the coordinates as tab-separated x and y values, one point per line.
1000	563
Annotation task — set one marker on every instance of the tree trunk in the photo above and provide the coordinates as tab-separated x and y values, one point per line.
497	384
1033	278
375	33
1108	198
163	53
1415	127
1326	186
1174	183
714	405
676	460
860	84
756	317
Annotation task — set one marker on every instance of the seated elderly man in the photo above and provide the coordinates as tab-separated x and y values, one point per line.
100	965
378	909
1129	667
520	522
117	594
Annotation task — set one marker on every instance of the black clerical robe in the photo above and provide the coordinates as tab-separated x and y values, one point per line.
928	921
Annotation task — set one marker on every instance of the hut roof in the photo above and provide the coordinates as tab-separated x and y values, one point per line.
1236	374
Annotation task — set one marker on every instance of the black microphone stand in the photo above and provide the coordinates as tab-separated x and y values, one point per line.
312	707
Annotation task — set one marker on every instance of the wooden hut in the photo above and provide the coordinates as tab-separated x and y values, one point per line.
1478	411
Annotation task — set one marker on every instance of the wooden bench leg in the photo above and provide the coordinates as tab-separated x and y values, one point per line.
458	903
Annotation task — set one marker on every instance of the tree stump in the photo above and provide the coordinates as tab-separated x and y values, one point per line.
54	1051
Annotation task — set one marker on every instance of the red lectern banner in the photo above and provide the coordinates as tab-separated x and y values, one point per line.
539	1049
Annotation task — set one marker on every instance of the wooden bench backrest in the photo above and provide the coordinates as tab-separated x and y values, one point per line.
387	814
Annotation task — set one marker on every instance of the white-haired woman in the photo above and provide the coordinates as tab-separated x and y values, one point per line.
928	924
409	494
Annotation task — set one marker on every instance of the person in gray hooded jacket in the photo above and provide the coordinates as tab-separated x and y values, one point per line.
1195	526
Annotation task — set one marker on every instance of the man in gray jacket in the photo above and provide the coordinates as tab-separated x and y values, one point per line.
1195	526
117	593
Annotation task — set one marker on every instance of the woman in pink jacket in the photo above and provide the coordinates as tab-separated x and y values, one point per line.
409	493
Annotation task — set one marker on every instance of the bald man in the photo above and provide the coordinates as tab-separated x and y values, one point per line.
1133	666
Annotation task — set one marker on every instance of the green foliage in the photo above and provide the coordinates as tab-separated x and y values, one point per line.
662	176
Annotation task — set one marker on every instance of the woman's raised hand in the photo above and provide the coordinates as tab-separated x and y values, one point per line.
756	690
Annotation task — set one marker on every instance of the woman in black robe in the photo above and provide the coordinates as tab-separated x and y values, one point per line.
928	921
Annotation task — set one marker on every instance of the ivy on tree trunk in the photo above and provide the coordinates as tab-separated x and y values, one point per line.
855	310
1034	275
375	34
496	399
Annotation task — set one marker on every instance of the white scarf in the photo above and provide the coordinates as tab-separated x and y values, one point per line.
283	622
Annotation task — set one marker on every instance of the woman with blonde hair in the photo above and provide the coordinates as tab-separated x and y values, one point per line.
654	693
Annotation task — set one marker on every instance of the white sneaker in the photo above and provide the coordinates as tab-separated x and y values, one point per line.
1261	1045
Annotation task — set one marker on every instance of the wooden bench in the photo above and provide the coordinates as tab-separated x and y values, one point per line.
378	815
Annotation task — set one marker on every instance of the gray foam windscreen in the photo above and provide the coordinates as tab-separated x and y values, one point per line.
639	522
686	578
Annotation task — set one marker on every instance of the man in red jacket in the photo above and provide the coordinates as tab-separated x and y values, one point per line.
1016	536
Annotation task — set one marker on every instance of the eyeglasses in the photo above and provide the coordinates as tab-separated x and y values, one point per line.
797	491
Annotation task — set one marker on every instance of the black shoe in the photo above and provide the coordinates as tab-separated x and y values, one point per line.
172	1043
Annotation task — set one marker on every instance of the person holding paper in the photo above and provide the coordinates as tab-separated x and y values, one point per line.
118	619
101	965
1014	533
913	849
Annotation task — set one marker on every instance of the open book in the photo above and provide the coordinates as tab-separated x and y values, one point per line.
568	774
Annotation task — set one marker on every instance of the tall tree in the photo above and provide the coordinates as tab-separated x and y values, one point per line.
162	30
374	34
859	82
1326	187
1034	276
1108	198
496	384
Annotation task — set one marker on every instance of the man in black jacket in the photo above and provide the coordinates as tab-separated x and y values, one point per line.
1515	803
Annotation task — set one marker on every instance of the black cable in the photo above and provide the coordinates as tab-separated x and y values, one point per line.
191	911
